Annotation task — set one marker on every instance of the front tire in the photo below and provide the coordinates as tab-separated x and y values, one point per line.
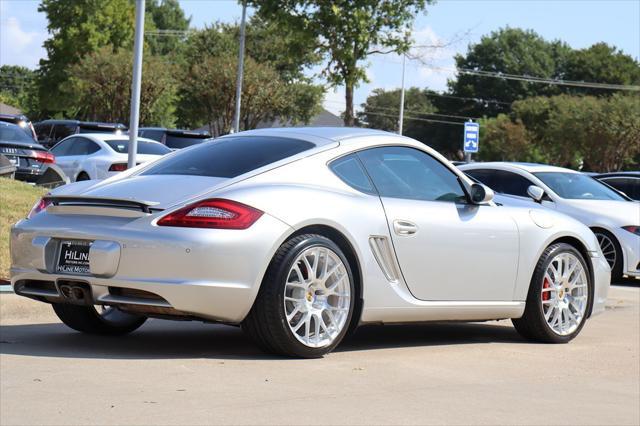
559	297
611	251
107	321
306	299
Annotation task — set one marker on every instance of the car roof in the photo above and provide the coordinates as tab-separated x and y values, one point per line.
111	136
315	134
617	174
84	123
506	165
193	133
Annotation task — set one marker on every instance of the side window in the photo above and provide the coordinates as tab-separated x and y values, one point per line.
62	149
402	172
82	146
42	131
511	183
350	171
483	176
630	186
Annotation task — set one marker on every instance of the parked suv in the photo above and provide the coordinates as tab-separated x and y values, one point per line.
174	138
51	132
28	157
22	121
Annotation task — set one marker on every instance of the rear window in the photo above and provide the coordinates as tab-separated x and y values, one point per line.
230	157
121	146
178	142
14	133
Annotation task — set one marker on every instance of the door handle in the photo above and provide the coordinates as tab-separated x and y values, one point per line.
404	227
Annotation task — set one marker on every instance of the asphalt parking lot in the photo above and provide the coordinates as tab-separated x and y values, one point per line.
192	373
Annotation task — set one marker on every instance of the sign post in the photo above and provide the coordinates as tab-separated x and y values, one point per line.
471	141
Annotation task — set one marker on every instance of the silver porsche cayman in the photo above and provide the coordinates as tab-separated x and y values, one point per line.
299	235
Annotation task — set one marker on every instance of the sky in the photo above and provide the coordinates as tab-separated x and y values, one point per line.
453	24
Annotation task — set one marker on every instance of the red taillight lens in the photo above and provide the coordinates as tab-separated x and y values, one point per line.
214	213
633	229
118	167
38	207
44	156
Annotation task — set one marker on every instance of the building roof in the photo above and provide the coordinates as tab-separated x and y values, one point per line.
8	109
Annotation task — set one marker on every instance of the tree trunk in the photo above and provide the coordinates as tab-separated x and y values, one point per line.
348	98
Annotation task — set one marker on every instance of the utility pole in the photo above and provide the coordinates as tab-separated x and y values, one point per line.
236	124
401	119
135	84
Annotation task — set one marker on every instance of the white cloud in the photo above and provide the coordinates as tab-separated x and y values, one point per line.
334	101
18	46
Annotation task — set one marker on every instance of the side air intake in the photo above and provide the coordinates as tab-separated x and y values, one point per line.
383	252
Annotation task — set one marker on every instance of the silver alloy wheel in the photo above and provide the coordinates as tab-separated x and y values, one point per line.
564	293
317	297
608	249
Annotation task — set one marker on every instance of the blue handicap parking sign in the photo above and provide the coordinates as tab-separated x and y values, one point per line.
471	137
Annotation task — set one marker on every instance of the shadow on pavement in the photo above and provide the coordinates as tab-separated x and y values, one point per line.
175	340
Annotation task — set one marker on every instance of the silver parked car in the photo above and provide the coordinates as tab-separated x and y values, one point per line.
612	216
299	235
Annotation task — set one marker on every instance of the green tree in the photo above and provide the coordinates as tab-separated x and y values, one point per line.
603	64
506	140
382	108
345	32
15	80
99	88
79	28
509	51
166	15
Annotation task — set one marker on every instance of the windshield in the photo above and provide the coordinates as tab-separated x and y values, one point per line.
576	186
121	146
14	133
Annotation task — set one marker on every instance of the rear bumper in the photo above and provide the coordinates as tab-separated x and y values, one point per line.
210	274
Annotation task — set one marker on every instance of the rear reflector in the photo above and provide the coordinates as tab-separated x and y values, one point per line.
44	156
214	213
118	167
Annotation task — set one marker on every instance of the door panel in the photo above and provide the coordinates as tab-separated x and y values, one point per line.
454	251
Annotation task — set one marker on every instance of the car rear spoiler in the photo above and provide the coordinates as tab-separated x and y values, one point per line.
121	203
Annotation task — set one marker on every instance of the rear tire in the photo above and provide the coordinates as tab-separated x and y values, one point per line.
558	302
87	319
306	299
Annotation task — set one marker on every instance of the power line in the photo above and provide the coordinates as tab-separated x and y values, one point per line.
420	119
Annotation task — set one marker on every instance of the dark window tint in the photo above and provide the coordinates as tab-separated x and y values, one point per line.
13	133
402	172
63	148
82	146
350	170
178	142
42	130
121	146
230	157
156	135
503	182
630	185
61	131
97	130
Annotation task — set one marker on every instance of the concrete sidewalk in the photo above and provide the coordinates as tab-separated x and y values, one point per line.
192	373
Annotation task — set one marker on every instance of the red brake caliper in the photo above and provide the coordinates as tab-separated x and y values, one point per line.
546	284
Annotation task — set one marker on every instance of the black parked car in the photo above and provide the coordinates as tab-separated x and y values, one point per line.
30	158
627	182
51	131
174	138
22	121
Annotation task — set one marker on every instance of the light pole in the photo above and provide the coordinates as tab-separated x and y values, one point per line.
236	121
135	84
401	118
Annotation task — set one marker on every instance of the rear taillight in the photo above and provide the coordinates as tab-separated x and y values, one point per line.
214	213
44	156
41	205
118	167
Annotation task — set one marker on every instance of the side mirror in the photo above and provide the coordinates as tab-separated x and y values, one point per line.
481	194
536	193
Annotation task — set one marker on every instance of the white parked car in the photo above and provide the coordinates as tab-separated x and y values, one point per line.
99	156
614	218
